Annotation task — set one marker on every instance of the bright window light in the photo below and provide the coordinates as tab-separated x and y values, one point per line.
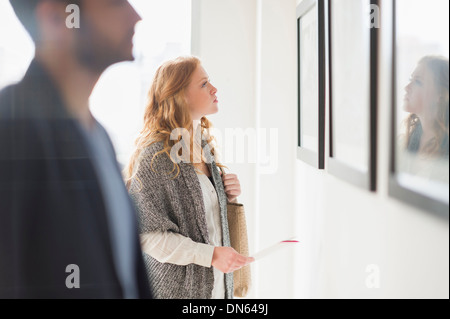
16	47
119	99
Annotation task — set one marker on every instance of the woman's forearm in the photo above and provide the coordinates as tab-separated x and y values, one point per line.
169	247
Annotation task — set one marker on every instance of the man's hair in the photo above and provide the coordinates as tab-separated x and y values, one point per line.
26	12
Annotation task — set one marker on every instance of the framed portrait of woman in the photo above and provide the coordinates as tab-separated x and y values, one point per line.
419	157
311	82
353	43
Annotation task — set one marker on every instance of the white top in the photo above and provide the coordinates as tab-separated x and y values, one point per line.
168	247
212	209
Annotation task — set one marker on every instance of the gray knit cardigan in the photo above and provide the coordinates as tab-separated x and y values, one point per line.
176	205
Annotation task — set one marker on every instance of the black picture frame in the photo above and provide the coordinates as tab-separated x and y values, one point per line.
315	158
412	195
337	167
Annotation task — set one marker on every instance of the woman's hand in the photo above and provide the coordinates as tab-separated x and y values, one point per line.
232	186
227	260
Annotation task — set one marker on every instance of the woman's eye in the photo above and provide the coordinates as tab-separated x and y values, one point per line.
415	81
204	84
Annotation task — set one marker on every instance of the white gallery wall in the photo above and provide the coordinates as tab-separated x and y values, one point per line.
250	58
219	28
353	243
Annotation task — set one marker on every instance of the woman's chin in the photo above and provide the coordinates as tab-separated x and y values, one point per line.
215	110
406	107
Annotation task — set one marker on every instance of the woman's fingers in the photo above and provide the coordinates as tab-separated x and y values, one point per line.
242	262
232	186
227	260
233	183
230	179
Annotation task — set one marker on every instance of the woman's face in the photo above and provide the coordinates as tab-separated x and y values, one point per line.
201	95
421	94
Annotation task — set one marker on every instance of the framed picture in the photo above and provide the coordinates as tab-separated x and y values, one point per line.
419	157
311	82
353	46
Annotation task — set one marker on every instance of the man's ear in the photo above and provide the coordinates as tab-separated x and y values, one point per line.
51	20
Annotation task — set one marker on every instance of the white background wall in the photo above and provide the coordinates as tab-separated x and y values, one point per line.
249	49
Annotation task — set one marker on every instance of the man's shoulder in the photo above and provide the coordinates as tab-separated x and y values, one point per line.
17	101
8	99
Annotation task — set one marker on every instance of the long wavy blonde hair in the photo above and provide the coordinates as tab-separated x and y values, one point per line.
166	111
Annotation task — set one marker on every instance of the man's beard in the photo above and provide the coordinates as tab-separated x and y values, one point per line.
95	53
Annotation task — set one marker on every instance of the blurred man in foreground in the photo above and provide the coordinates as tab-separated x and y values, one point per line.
67	226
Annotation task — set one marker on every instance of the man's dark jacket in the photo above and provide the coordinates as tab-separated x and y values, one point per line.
52	212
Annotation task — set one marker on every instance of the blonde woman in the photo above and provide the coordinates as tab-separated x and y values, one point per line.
426	99
181	196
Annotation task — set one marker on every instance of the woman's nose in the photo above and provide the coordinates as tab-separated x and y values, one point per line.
213	89
408	87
